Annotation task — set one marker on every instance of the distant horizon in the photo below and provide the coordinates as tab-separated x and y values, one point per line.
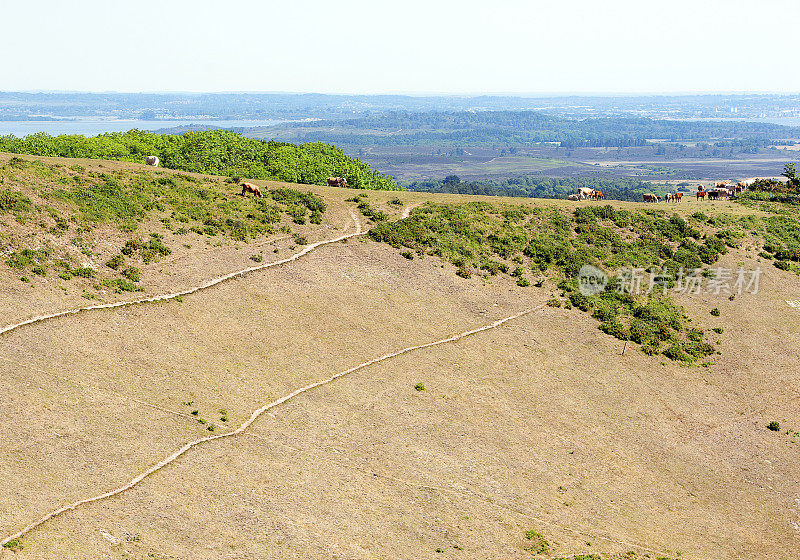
522	95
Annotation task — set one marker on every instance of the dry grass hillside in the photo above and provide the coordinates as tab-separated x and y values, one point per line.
536	438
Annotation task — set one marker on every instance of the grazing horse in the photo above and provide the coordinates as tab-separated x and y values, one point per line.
152	160
585	192
597	195
668	197
677	197
337	182
650	197
713	195
701	192
250	187
574	197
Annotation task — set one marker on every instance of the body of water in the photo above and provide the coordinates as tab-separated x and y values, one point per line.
93	127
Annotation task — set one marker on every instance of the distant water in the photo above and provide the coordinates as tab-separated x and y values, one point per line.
93	127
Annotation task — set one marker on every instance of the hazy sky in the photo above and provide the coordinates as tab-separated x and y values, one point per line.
407	46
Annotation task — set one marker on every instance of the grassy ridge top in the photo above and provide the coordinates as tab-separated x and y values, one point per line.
63	215
213	152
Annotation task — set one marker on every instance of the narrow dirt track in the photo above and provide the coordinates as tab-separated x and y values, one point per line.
208	284
253	417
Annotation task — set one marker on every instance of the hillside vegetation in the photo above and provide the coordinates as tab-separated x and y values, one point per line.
442	381
56	234
214	152
539	243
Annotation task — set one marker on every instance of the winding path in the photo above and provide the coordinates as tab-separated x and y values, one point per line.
205	285
253	417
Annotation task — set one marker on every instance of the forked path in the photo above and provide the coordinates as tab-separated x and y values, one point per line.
208	284
253	417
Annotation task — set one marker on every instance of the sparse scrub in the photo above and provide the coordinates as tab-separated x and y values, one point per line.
538	544
132	273
115	262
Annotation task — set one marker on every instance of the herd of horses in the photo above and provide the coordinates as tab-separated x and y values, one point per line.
587	193
723	189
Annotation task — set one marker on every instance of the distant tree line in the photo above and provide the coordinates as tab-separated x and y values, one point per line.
215	152
509	128
530	186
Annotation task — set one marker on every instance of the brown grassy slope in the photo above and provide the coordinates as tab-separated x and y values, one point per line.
539	424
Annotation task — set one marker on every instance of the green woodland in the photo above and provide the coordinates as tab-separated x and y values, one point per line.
214	152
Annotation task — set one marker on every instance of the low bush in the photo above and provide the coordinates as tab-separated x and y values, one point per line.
116	262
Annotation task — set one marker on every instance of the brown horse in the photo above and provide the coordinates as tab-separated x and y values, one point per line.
250	187
701	194
677	197
597	195
337	182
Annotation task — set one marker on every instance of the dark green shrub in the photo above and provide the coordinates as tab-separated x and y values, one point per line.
464	271
116	262
84	272
14	202
132	273
538	544
715	312
774	426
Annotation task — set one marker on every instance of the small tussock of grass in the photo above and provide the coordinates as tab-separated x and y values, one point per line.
14	545
537	543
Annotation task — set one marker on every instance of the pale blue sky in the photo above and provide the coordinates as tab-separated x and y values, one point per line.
411	46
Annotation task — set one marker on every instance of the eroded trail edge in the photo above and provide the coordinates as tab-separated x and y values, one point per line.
205	285
257	413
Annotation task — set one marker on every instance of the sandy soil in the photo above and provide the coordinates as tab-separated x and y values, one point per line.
539	424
